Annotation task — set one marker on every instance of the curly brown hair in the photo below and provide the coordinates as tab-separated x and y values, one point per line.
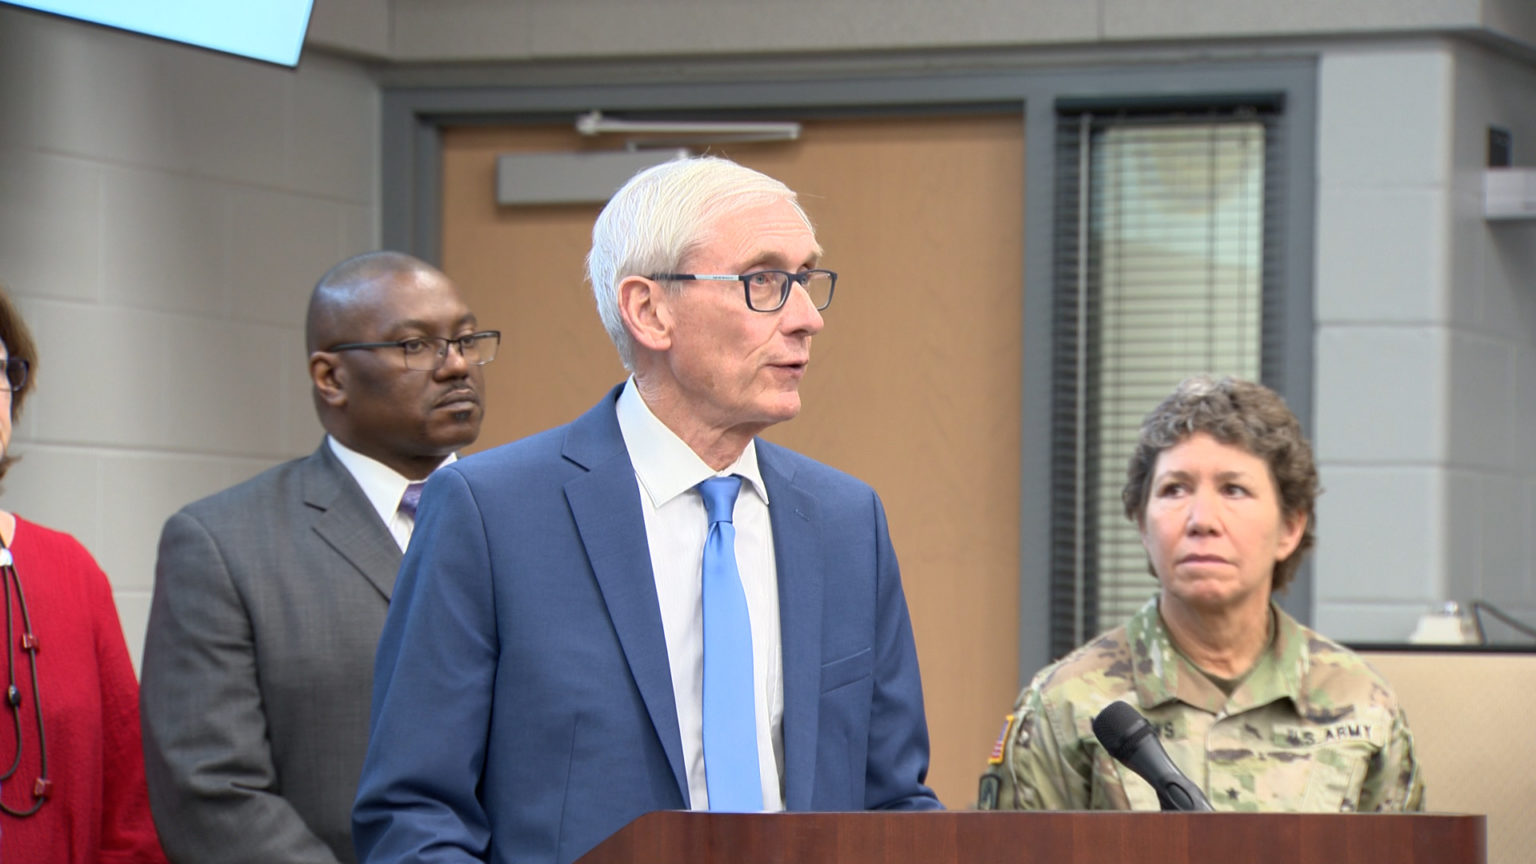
18	342
1237	413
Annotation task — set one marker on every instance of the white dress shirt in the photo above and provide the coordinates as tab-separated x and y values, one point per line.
676	526
383	487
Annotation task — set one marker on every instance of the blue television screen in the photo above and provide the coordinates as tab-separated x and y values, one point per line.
270	30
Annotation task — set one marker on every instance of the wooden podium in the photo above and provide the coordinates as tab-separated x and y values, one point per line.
1046	838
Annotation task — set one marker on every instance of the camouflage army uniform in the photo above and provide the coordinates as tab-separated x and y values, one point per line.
1312	728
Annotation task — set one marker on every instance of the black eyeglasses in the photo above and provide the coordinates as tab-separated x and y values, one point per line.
767	290
427	353
16	374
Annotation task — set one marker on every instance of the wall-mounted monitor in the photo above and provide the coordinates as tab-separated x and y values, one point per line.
269	30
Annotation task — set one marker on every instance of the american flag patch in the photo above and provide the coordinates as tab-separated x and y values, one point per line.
1002	740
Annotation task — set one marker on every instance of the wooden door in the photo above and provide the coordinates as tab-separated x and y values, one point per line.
914	385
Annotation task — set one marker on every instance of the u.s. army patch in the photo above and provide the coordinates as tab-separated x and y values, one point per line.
1329	734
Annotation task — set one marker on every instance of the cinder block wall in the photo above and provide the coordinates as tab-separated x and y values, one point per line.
164	212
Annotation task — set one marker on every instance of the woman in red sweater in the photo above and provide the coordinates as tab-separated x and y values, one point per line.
71	760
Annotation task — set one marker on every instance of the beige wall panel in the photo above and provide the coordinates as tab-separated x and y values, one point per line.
914	385
1468	713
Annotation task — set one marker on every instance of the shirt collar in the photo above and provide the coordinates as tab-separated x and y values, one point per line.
381	484
665	465
1163	674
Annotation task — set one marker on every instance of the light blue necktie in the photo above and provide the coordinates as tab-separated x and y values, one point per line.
730	724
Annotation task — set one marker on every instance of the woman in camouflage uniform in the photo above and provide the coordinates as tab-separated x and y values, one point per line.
1262	712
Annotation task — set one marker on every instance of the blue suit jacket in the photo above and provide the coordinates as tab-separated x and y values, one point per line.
523	706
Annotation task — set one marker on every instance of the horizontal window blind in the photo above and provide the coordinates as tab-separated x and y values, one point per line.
1166	261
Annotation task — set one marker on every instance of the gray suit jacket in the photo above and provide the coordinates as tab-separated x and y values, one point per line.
258	666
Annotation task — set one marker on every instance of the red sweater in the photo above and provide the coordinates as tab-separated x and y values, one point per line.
98	809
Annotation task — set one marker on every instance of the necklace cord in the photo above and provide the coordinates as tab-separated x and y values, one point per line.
28	643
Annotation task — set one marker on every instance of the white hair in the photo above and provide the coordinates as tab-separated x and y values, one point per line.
661	216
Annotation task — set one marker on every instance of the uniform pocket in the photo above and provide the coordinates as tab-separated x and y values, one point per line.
1335	757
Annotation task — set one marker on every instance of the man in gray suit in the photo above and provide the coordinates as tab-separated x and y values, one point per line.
269	596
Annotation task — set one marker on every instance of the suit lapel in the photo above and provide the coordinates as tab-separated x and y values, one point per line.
347	522
605	504
792	511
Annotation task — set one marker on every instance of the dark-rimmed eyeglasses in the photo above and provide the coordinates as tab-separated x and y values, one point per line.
427	353
767	290
15	374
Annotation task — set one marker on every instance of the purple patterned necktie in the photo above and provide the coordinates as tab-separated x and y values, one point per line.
410	499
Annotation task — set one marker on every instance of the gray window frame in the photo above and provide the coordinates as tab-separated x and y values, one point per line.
413	115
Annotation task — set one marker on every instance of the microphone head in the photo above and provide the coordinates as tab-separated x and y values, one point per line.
1118	727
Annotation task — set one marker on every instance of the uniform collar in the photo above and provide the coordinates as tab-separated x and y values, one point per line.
1161	674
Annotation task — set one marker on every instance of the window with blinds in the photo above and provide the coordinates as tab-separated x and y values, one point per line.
1167	265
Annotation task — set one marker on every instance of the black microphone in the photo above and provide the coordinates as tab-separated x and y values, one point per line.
1129	738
